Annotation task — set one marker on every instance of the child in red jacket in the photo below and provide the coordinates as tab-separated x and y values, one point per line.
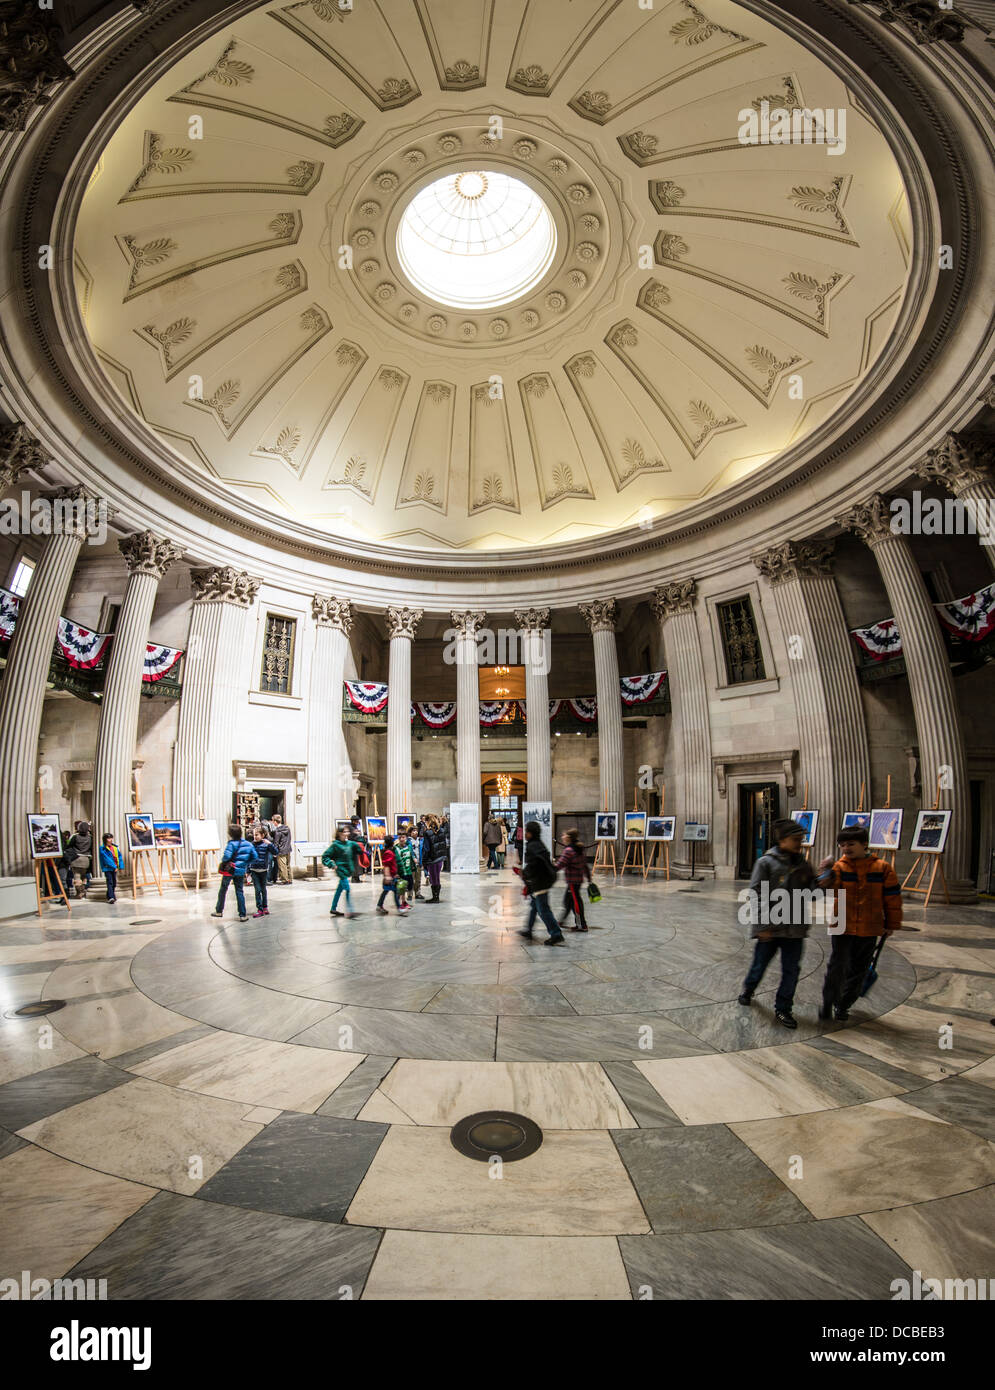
391	874
873	908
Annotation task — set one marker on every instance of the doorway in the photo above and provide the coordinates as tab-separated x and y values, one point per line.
759	808
271	803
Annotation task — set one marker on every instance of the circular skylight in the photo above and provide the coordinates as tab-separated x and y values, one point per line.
476	240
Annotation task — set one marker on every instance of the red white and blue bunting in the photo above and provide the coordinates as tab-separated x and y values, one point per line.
496	712
369	697
437	714
637	690
585	708
554	708
972	619
881	642
82	648
9	604
159	661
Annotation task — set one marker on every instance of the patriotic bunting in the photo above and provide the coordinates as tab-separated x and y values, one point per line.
496	712
159	661
881	642
972	619
554	708
585	709
9	604
82	648
369	697
636	690
436	714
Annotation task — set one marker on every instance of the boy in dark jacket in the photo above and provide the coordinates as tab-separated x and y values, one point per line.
264	854
780	921
872	906
237	857
538	873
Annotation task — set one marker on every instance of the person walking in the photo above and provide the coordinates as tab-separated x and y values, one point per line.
781	923
110	864
538	873
872	903
405	867
390	878
519	844
444	827
79	858
283	844
492	838
573	862
238	854
357	837
341	855
416	841
434	854
263	855
502	848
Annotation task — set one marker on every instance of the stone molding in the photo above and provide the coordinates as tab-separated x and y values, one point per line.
678	597
224	585
601	615
792	559
145	553
870	520
332	612
402	622
532	619
755	763
467	623
20	451
958	462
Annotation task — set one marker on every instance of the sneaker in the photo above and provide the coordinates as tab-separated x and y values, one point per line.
841	1015
745	999
555	940
786	1017
213	914
333	912
243	919
382	911
260	913
526	933
403	911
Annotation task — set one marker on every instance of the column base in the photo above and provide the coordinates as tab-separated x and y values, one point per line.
681	868
961	890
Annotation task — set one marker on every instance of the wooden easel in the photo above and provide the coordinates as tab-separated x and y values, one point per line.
52	891
376	858
888	853
804	807
604	855
635	848
169	866
660	849
921	860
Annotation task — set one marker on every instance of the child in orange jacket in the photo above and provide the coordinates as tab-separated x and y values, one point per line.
873	906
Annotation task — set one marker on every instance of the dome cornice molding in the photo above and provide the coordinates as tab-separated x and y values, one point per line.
102	453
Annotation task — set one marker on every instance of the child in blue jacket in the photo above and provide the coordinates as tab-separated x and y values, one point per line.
239	854
110	863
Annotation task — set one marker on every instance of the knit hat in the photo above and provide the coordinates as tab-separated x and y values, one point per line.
785	827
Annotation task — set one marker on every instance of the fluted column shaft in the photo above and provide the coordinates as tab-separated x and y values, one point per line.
467	706
329	776
401	626
24	695
673	605
941	743
202	766
533	624
601	617
117	732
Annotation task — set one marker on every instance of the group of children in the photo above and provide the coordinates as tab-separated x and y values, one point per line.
241	857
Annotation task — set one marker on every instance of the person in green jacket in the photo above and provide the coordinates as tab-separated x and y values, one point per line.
341	856
405	855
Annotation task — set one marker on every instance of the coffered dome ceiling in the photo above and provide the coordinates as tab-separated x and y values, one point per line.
703	304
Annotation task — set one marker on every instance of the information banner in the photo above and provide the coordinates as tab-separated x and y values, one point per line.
542	811
464	837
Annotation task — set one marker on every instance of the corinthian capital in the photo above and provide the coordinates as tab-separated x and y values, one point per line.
467	624
601	615
145	553
401	622
870	520
332	612
30	61
225	585
792	559
532	619
669	599
958	462
19	451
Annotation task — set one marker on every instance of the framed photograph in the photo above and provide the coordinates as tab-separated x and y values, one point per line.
407	819
168	834
606	825
341	824
635	825
932	828
45	835
541	811
141	834
376	829
203	836
660	827
885	830
696	830
809	822
856	820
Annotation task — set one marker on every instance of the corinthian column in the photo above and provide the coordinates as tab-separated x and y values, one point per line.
965	465
326	764
467	706
941	744
148	559
20	451
835	759
28	663
212	686
601	616
401	625
534	623
673	606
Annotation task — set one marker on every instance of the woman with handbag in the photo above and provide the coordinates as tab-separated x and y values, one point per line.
573	862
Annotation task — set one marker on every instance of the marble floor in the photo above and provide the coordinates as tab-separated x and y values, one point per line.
263	1110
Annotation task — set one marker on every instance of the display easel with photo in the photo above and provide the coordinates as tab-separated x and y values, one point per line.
635	836
205	843
605	835
141	846
168	841
858	819
808	819
376	833
885	833
928	843
659	833
45	840
695	833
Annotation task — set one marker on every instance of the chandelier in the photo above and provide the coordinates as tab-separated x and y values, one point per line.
504	784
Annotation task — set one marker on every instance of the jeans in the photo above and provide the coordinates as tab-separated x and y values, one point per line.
110	878
573	901
259	884
851	955
539	907
343	886
492	857
390	886
791	964
239	882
